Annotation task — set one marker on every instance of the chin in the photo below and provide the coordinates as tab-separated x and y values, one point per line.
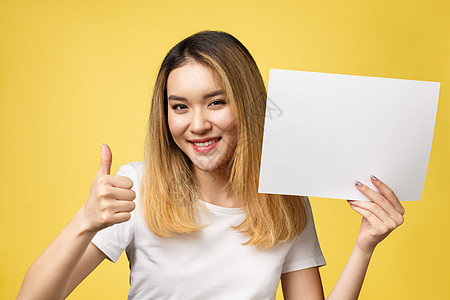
207	165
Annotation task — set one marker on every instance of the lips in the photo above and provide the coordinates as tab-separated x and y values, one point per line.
207	145
204	140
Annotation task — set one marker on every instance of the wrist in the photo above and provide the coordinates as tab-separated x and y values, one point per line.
82	224
365	252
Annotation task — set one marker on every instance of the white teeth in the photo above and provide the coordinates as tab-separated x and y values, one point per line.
205	144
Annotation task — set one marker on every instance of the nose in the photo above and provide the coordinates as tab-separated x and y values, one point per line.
200	123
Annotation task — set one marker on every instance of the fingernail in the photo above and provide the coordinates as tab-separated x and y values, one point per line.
358	183
373	177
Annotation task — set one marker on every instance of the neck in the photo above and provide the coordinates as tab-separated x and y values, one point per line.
212	186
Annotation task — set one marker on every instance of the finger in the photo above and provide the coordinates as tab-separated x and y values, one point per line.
120	181
390	222
121	217
373	220
388	194
105	162
377	198
124	206
123	194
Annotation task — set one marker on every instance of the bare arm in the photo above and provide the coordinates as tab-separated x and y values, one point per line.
381	215
71	256
349	284
307	284
89	261
49	276
302	285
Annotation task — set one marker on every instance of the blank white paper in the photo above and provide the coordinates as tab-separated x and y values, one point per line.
323	131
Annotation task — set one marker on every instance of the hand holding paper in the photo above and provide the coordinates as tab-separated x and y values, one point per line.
380	216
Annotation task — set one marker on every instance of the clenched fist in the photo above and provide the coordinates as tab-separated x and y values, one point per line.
111	198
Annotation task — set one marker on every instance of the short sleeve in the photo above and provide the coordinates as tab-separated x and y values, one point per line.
305	251
114	240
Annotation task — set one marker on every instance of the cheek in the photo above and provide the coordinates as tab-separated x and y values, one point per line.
175	126
229	123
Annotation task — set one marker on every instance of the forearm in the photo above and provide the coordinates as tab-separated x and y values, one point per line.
49	276
351	279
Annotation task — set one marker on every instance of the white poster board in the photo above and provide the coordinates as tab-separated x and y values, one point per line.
324	131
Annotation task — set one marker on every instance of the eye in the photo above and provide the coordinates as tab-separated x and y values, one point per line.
218	102
175	107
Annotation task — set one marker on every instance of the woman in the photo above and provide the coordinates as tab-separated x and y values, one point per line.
204	231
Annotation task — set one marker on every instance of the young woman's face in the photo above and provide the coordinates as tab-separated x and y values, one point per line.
200	118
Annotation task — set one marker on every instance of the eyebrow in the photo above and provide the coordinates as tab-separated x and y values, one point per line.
212	94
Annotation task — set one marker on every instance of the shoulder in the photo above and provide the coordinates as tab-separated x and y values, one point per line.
137	166
132	170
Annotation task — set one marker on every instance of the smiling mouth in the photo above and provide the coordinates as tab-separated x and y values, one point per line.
206	144
205	147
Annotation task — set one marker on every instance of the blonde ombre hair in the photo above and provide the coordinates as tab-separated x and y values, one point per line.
169	193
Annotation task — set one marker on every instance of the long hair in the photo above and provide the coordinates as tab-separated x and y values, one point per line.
169	194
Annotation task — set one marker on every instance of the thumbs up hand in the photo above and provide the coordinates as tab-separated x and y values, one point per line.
111	198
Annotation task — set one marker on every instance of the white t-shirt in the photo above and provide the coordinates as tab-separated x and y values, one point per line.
208	264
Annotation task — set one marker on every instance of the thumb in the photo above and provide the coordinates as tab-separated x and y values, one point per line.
105	163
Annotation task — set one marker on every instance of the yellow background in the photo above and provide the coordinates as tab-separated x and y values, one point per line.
75	74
